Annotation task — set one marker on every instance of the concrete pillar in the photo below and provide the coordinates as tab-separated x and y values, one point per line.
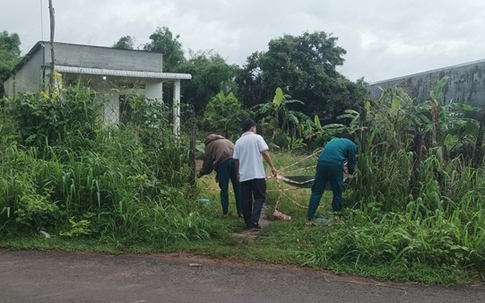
176	108
111	111
154	90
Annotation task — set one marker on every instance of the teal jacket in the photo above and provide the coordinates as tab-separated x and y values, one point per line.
337	150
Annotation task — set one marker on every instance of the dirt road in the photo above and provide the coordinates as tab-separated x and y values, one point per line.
54	277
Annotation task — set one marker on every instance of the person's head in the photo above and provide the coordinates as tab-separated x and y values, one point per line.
209	136
249	125
347	136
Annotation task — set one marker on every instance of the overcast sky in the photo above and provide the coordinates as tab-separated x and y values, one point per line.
383	38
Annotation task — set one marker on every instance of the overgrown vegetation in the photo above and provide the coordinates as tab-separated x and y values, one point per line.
66	173
414	212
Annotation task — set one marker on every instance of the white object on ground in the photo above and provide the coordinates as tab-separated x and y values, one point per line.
43	233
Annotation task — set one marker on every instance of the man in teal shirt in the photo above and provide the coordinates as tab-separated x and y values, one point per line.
330	168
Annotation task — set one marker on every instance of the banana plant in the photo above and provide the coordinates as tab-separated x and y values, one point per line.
221	112
278	115
326	131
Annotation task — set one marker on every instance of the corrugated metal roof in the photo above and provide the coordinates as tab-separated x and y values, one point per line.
121	73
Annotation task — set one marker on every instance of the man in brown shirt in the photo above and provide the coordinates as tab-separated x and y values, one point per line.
218	156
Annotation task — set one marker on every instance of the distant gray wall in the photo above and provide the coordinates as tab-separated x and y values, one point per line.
28	79
466	84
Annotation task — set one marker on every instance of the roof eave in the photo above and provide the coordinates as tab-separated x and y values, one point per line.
121	73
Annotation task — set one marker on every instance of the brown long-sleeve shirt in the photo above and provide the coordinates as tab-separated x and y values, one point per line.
217	150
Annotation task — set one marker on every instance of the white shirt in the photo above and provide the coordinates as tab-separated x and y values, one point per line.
247	150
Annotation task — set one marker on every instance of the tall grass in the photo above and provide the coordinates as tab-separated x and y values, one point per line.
407	209
64	172
412	212
408	215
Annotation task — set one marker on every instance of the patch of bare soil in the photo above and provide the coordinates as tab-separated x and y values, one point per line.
250	234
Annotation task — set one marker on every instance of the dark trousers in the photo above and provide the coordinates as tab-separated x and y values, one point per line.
327	172
253	189
227	172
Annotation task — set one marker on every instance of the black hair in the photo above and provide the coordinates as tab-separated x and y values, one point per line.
247	125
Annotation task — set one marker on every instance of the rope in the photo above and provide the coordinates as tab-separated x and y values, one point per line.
283	191
279	214
280	177
299	161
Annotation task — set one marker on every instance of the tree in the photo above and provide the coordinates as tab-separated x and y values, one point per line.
10	43
9	55
210	75
305	68
210	72
221	113
164	42
278	115
125	42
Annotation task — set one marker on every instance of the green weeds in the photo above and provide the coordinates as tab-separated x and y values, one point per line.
68	174
413	212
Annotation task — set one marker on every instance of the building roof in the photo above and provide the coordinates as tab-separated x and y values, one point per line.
121	73
101	71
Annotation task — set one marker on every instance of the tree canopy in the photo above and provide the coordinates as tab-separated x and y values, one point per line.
305	67
125	42
9	55
221	113
210	72
210	75
10	43
165	42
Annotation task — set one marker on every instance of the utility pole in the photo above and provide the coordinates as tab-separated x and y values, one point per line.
53	26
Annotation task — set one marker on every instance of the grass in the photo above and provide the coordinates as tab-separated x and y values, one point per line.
424	243
360	244
127	189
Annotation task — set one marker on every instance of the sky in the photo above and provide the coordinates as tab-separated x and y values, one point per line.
384	39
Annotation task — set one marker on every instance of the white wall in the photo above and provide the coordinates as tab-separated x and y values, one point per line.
154	90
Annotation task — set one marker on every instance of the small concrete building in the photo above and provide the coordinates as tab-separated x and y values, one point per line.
114	73
466	84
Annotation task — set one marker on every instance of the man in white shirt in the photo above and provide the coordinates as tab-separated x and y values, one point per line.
249	151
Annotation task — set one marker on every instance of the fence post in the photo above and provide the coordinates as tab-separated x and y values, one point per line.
478	151
193	137
176	108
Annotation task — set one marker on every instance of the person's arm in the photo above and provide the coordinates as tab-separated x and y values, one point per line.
352	159
207	166
267	158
